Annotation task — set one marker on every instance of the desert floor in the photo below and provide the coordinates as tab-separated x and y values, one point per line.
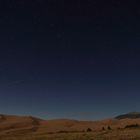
122	134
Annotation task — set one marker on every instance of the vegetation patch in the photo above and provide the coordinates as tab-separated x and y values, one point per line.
133	126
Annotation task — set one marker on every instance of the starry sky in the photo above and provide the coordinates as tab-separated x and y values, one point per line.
69	59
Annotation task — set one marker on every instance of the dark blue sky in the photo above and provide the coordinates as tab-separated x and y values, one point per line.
72	59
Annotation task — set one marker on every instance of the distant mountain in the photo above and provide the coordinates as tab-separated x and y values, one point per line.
131	115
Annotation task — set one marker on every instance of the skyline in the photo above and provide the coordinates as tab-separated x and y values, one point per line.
69	60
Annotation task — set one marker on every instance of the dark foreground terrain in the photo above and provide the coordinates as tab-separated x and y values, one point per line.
131	134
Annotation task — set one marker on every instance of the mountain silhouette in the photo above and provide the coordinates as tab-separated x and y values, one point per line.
131	115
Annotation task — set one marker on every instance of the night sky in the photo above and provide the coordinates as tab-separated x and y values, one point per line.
76	59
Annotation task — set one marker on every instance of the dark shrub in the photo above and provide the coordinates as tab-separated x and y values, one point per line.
103	128
89	130
109	128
